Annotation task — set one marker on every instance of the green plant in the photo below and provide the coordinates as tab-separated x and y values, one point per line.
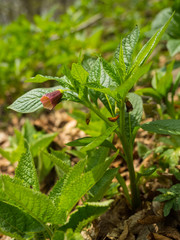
168	153
163	91
26	213
170	197
109	82
38	143
87	83
173	34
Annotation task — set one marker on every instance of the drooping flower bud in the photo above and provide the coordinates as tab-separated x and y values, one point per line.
113	119
50	100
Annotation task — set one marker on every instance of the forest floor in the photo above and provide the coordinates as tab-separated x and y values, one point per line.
119	223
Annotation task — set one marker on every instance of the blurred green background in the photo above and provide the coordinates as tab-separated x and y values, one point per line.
39	37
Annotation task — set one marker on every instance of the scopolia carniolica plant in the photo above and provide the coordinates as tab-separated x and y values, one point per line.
88	83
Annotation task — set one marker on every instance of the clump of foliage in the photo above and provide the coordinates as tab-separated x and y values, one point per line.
87	83
170	197
173	34
44	45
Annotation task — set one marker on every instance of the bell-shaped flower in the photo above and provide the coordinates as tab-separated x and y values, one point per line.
50	100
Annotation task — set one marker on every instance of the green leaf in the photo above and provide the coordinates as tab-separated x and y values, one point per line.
59	235
111	90
87	140
63	81
146	172
163	84
150	45
28	131
164	197
173	46
76	185
26	170
96	156
97	141
41	143
167	126
56	191
99	189
95	72
62	166
85	214
119	59
14	154
30	101
128	45
36	204
149	92
124	88
167	207
15	223
79	73
176	84
110	70
133	118
62	154
69	235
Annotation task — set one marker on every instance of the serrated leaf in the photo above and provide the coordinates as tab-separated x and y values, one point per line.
167	127
98	140
15	223
96	156
42	143
124	88
75	186
62	166
63	81
150	45
36	204
111	90
95	72
85	214
26	170
99	189
110	70
119	59
128	44
56	191
87	140
79	73
30	101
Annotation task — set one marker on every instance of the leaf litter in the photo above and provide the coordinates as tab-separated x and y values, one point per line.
119	223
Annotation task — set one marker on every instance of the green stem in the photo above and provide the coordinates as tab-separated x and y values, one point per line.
123	185
127	146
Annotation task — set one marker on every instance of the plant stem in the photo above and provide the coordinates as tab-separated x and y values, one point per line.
127	147
125	189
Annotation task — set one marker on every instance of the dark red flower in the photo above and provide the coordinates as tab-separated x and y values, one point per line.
50	100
